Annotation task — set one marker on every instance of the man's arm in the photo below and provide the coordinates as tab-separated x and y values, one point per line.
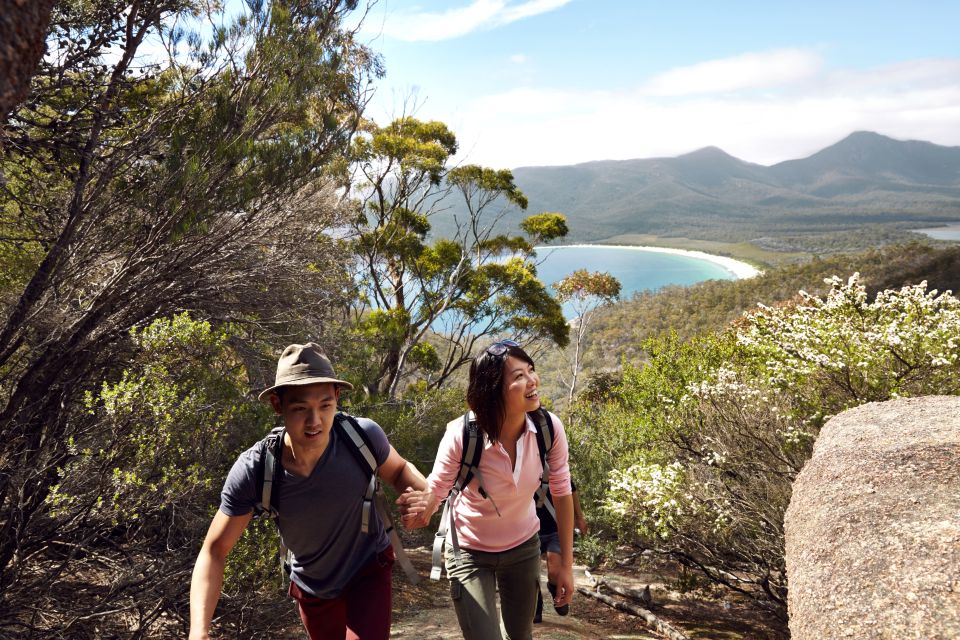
207	578
412	487
400	473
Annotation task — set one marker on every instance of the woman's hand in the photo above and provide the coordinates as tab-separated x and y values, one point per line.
565	586
416	507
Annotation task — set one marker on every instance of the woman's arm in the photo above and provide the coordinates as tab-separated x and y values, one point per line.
565	586
558	459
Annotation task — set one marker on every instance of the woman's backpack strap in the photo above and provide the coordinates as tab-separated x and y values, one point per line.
545	439
470	452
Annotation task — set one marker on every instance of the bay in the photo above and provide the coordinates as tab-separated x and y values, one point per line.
637	268
948	232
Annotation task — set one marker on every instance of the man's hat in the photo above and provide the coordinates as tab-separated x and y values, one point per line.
301	364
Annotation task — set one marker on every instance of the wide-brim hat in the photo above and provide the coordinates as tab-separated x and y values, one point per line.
302	364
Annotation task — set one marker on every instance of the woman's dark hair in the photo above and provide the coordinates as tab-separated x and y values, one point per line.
485	389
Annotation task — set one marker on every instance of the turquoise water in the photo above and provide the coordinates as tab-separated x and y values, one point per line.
949	232
635	268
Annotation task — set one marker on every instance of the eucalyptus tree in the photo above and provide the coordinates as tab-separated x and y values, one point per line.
586	291
168	158
425	302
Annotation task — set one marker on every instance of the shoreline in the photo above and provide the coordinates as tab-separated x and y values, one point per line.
740	270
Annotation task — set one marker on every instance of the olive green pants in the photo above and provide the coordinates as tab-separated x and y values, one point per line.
474	583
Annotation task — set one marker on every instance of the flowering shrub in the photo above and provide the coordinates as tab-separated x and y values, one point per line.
726	422
652	492
849	350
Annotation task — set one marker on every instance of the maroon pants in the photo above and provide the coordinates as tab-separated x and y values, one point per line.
360	612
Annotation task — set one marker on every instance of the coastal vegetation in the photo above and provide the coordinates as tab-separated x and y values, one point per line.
692	453
166	226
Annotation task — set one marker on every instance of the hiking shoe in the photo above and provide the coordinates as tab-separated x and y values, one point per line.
565	609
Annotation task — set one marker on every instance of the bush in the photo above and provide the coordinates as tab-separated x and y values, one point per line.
705	441
169	429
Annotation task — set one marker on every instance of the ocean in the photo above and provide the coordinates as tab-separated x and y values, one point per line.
636	268
949	232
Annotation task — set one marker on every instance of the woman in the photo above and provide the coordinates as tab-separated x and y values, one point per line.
498	535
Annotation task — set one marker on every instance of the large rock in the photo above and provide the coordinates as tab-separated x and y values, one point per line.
873	527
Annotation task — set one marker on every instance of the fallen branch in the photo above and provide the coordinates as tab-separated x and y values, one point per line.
653	621
634	594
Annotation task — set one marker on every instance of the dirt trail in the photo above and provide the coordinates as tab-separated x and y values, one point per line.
426	613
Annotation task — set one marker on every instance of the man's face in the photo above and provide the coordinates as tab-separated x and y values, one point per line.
308	411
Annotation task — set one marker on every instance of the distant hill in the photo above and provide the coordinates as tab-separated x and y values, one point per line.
865	178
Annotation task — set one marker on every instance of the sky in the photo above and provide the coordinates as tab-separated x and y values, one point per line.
555	82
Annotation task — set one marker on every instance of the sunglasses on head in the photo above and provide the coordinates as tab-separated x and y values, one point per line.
500	348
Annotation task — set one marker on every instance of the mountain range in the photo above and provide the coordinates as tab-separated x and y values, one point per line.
866	178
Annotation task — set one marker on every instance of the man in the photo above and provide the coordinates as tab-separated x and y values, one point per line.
339	576
550	549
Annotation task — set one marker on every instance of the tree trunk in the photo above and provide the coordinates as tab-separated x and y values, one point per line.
23	30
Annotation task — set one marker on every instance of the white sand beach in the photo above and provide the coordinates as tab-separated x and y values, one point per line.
739	269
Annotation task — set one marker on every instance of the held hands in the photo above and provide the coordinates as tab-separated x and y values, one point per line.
416	507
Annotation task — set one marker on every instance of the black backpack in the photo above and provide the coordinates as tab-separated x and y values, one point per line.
470	468
269	473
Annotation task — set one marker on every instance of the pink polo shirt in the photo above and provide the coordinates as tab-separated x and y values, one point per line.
475	517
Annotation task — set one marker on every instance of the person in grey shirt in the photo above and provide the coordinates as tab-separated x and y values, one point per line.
339	577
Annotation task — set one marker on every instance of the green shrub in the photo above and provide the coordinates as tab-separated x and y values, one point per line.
705	440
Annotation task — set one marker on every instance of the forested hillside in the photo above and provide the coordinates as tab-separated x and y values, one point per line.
711	305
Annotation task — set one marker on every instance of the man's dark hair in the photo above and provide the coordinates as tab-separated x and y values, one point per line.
485	389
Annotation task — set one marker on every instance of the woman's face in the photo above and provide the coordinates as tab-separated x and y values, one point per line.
520	383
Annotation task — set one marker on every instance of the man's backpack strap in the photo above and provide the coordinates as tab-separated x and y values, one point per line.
267	476
374	497
273	450
357	443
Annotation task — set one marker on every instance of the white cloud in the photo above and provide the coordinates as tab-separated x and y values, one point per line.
547	126
747	71
529	9
454	23
519	58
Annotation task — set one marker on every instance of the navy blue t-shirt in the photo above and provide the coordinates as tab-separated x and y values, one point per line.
319	516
